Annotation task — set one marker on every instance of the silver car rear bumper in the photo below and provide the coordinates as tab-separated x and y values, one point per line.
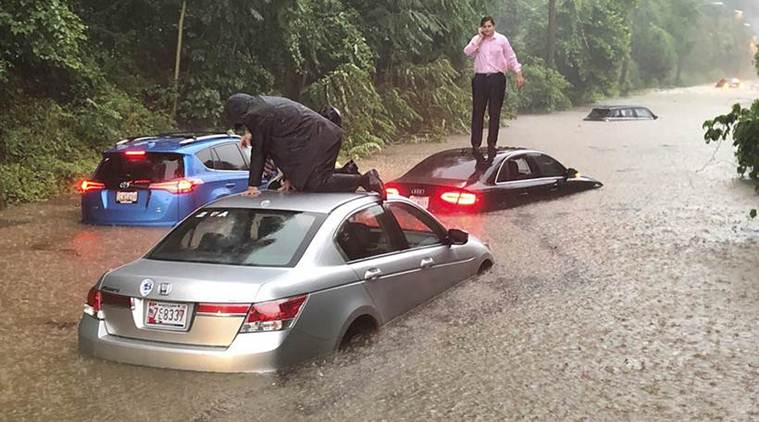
253	352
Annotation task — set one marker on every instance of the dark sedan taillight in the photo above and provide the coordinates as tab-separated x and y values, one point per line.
462	198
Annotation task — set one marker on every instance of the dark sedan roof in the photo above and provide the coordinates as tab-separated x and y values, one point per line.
458	164
616	106
322	203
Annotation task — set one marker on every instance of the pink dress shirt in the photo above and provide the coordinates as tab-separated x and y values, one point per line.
492	55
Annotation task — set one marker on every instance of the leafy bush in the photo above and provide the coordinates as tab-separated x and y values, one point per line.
351	89
545	89
743	123
45	146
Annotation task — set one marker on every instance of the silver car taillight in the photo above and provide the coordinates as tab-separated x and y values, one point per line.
94	304
274	315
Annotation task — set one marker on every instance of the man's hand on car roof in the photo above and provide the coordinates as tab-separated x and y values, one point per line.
252	191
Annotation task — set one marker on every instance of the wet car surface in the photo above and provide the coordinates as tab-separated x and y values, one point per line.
635	301
615	113
460	180
257	284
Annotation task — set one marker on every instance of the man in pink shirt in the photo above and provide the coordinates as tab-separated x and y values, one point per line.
493	57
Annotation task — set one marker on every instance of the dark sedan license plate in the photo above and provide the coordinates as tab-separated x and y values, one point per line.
126	197
169	315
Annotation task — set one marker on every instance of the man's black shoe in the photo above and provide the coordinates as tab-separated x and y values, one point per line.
349	168
374	183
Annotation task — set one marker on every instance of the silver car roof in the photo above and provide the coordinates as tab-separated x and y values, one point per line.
322	203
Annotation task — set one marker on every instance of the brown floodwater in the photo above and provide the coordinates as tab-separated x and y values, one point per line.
639	300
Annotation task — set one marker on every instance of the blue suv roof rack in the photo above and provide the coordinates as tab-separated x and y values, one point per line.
189	137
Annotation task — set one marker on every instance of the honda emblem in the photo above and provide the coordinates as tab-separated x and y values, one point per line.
164	289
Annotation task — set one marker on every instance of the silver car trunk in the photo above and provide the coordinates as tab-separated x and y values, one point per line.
129	291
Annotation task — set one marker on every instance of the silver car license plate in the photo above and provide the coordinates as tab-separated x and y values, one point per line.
423	201
169	315
126	197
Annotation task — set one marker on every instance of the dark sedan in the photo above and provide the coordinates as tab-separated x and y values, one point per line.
458	180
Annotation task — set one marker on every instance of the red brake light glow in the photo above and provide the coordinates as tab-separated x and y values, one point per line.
225	309
459	198
89	185
177	186
94	303
273	315
135	154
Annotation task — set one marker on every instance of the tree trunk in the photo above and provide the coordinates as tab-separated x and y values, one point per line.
180	30
551	47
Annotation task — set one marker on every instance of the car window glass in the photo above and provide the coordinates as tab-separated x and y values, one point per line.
418	229
515	169
364	235
206	157
548	166
151	167
239	237
230	158
626	112
642	112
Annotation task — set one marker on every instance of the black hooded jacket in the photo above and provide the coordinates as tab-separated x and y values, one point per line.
297	138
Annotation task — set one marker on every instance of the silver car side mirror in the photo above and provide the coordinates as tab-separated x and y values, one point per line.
457	237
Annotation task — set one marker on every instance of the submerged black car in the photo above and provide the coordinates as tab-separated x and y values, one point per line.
459	180
620	113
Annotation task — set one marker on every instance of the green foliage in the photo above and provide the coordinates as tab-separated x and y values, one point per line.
593	43
351	90
546	91
45	146
743	124
435	92
654	52
86	73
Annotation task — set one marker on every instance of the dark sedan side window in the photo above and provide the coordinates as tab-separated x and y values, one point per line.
365	234
548	166
517	168
642	112
418	229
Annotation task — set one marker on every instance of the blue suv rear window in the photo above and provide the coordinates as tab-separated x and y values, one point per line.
152	167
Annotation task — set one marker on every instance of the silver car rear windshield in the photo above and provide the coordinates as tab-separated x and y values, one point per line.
240	236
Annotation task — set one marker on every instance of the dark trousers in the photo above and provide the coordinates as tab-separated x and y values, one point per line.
324	178
488	91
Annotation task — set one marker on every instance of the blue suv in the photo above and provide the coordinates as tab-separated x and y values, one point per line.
159	180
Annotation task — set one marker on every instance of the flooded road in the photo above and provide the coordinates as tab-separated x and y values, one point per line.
639	300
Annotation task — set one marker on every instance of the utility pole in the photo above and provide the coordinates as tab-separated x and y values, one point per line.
180	30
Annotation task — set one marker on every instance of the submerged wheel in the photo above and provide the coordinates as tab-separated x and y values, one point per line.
360	333
485	267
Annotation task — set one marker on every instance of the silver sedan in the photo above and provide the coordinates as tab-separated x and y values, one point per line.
256	284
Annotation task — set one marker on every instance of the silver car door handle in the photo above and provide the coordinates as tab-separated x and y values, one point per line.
524	193
230	185
372	274
427	262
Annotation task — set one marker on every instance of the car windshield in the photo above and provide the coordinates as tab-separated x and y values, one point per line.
599	113
239	236
148	167
446	166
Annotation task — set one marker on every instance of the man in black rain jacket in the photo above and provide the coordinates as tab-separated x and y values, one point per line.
301	142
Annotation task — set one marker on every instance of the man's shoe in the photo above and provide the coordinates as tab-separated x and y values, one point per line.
374	183
350	168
